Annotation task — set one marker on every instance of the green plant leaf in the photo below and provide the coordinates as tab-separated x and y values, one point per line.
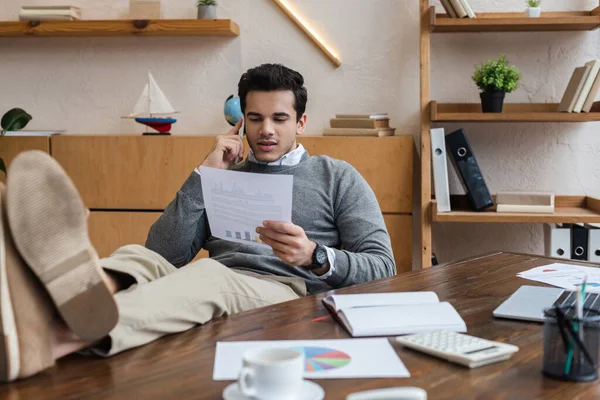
497	76
2	166
15	119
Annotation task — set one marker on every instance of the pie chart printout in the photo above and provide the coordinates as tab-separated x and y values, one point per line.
323	358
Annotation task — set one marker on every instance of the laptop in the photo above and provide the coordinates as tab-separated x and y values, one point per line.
529	302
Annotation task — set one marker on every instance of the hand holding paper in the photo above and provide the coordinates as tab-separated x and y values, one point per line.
289	242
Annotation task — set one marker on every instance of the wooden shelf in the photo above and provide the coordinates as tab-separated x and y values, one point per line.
511	112
568	209
516	22
123	27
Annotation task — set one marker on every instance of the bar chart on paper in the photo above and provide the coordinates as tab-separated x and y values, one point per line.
238	202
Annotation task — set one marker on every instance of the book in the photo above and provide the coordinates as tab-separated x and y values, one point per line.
587	85
589	102
372	116
467	8
45	12
448	7
387	314
30	133
359	123
359	132
523	208
573	89
458	8
525	198
47	18
59	7
468	170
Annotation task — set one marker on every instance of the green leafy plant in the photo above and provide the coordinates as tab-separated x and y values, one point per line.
497	76
13	120
533	3
207	3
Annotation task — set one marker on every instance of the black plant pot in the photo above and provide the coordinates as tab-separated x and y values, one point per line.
491	102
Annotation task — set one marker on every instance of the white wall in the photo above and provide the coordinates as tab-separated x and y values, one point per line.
85	85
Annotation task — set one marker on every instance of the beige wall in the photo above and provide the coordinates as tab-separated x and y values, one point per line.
84	85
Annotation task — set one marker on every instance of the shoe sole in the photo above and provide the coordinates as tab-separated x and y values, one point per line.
49	227
10	357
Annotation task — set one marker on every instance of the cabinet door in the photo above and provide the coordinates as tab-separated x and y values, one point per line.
10	146
110	230
399	227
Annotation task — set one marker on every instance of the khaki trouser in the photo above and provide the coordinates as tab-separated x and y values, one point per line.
167	300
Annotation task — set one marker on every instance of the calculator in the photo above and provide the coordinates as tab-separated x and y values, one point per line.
459	348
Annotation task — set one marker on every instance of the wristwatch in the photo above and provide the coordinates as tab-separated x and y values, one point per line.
319	257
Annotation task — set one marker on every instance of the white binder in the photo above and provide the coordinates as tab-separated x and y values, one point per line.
440	169
593	242
557	241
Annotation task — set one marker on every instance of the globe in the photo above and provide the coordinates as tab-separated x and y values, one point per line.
233	110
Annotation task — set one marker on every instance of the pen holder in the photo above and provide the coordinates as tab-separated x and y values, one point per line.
571	344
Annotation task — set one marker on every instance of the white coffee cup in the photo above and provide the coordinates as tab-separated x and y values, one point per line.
272	374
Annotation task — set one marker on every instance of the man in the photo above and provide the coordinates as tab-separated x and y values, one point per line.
56	297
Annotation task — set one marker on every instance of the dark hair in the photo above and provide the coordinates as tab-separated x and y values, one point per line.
271	77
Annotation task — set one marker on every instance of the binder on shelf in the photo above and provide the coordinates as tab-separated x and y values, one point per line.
468	170
593	242
440	170
557	241
579	242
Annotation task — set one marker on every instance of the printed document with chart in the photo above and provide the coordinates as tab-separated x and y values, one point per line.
238	202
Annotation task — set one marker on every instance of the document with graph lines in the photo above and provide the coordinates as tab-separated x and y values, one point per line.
238	202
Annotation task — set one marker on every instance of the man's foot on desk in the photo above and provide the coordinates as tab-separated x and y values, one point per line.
48	268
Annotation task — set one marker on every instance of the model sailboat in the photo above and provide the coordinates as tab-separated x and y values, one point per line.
153	102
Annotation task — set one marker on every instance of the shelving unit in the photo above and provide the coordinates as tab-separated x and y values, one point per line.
568	209
511	112
121	27
516	22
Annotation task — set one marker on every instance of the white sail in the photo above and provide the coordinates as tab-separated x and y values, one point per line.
141	107
159	104
152	101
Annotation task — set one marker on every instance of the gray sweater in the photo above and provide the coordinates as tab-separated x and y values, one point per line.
331	201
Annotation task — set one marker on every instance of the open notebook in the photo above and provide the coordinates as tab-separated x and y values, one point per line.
388	314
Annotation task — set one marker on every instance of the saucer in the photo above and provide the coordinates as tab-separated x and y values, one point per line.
308	391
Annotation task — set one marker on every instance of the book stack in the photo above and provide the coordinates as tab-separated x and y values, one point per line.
525	202
458	8
49	13
360	125
582	89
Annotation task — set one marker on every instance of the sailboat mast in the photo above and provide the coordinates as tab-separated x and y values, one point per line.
149	112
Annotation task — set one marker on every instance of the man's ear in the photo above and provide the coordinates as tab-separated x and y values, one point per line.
301	125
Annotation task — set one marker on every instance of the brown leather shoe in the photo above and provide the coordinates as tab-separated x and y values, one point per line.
26	312
49	226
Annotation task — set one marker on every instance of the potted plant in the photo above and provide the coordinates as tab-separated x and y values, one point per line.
207	9
533	8
13	120
494	79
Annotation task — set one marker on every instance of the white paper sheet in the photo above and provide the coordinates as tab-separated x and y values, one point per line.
324	359
566	276
238	202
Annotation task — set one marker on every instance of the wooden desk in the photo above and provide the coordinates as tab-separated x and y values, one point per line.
180	366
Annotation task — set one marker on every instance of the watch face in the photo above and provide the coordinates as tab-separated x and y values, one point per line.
321	256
